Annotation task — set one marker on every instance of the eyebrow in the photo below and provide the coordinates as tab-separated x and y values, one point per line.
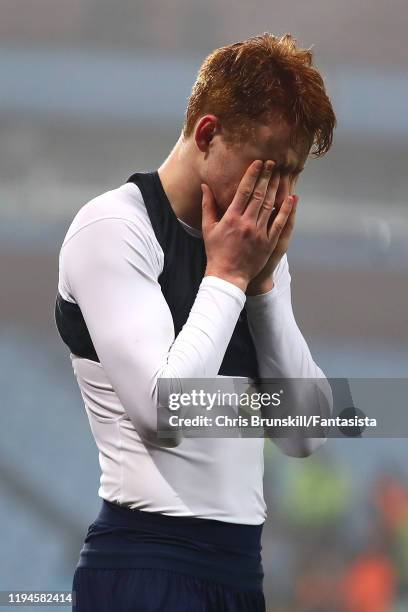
286	167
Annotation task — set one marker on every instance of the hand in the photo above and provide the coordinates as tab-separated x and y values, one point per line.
263	282
239	245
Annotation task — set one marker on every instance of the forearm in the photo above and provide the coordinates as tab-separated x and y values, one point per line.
280	345
282	352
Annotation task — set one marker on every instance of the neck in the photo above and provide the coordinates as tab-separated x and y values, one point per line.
181	184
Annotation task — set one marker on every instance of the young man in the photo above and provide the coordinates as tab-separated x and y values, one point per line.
182	273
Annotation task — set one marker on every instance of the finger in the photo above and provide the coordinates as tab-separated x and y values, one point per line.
257	200
246	187
281	219
209	208
291	219
290	223
268	207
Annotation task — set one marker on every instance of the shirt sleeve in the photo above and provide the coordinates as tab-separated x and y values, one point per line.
282	351
112	274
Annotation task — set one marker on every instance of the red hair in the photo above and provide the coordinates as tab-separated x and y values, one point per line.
261	77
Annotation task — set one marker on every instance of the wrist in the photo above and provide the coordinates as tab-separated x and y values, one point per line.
259	287
238	281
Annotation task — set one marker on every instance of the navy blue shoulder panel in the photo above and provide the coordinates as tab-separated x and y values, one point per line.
72	328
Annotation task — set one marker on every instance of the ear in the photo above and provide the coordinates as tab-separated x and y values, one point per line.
205	130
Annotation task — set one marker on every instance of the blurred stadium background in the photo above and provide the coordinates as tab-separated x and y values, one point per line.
92	91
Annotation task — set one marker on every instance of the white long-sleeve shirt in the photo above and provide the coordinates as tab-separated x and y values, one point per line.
109	265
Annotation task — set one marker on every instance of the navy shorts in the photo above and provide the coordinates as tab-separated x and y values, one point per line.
138	561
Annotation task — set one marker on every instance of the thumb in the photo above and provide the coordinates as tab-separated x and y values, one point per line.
209	208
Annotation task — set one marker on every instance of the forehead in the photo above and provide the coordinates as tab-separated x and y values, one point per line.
274	140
